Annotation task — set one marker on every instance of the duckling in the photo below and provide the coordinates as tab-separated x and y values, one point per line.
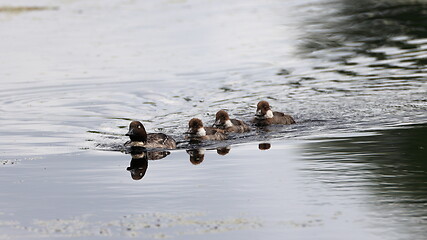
264	115
196	131
223	121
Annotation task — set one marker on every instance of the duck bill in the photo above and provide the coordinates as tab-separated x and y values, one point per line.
188	132
216	124
259	116
259	113
130	133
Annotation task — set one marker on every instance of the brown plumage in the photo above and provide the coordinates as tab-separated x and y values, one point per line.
196	155
265	116
223	150
139	138
223	121
196	131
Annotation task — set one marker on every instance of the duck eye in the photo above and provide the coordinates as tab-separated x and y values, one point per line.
139	126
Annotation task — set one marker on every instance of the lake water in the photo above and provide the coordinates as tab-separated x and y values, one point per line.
74	74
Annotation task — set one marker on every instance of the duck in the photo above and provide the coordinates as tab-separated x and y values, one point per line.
265	116
196	131
140	138
223	121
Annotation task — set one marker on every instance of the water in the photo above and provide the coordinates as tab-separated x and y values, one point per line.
74	73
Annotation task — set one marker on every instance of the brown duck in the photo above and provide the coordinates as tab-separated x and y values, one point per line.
223	121
265	116
196	131
140	138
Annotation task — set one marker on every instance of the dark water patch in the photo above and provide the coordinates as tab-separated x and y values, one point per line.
389	165
283	72
365	26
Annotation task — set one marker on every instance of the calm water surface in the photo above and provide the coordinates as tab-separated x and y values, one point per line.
75	73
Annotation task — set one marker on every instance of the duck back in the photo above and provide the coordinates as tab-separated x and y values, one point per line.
238	126
281	118
278	118
214	134
160	140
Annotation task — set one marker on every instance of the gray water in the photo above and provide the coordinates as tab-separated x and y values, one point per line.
74	74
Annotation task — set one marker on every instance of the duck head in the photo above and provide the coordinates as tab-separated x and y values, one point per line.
263	110
137	132
222	120
195	128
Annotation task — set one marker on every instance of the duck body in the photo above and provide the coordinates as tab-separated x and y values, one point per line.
196	131
265	116
140	138
223	121
155	140
278	118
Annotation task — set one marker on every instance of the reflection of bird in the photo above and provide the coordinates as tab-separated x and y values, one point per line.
223	150
139	138
264	146
265	116
196	131
196	155
223	121
150	155
156	155
138	166
139	163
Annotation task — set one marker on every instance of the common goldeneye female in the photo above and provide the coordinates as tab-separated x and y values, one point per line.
264	115
196	131
139	138
223	121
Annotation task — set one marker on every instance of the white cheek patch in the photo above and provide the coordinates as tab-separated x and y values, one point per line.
218	122
201	132
269	114
228	123
201	151
258	112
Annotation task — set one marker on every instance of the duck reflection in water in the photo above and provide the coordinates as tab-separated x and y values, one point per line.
138	166
139	163
196	155
223	150
264	146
